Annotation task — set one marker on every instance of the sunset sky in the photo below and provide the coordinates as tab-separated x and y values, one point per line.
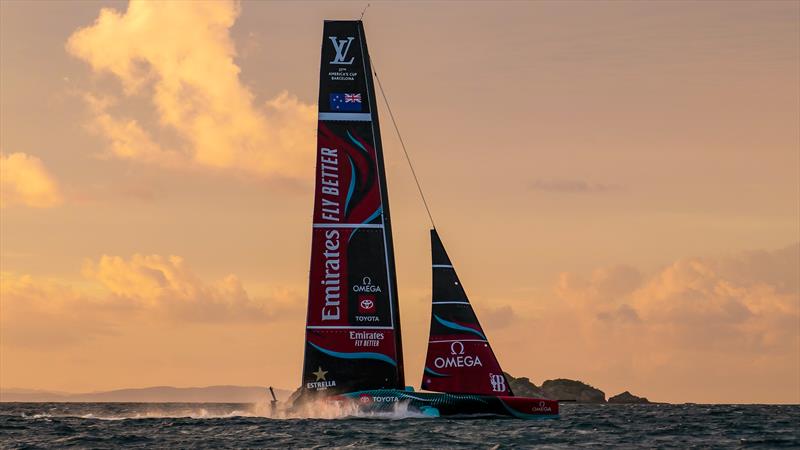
617	183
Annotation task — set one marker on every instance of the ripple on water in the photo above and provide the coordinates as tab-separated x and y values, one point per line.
238	425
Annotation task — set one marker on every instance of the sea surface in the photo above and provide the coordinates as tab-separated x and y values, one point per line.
171	425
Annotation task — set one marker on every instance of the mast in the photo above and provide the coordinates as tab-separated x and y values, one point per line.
353	339
387	222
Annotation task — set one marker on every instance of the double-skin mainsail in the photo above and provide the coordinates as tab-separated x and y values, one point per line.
353	323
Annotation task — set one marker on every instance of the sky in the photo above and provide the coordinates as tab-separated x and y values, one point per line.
617	183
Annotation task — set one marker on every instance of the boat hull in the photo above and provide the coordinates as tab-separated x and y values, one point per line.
440	404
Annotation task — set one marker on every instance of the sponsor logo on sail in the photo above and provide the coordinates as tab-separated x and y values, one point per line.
329	183
457	358
367	301
341	47
498	382
366	286
331	280
366	304
321	382
366	338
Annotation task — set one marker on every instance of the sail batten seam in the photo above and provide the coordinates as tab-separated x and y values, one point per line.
354	117
348	225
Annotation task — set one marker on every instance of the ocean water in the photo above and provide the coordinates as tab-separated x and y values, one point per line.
104	425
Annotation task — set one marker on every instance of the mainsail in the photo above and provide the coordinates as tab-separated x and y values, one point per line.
459	359
353	323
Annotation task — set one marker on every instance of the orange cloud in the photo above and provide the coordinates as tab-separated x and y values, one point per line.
181	56
700	329
147	320
699	302
168	285
41	312
25	181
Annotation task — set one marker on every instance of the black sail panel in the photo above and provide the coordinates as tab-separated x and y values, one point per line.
460	359
353	323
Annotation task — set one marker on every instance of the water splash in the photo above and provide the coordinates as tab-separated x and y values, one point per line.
326	409
145	411
319	409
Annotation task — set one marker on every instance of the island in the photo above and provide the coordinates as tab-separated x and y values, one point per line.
565	390
627	397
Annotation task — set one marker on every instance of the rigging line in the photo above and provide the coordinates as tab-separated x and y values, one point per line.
403	145
363	11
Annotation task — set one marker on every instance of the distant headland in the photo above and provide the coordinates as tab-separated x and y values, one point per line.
559	389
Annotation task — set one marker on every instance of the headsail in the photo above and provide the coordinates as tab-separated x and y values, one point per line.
353	323
459	359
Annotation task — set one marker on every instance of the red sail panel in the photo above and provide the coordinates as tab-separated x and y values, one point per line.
347	179
348	281
352	326
460	359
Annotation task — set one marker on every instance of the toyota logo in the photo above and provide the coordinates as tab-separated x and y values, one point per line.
367	304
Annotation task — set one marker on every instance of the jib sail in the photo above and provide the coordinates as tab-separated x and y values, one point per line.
459	358
353	323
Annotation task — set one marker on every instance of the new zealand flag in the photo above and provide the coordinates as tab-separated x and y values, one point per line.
345	102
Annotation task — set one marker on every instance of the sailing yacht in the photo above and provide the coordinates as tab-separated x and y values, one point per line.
353	344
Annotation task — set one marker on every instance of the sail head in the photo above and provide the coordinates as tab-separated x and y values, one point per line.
460	358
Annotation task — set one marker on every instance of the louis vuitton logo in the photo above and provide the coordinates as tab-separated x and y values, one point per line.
341	46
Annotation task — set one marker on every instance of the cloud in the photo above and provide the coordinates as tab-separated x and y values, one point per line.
42	313
25	181
166	284
603	293
701	302
694	329
139	321
496	318
39	312
180	56
572	186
